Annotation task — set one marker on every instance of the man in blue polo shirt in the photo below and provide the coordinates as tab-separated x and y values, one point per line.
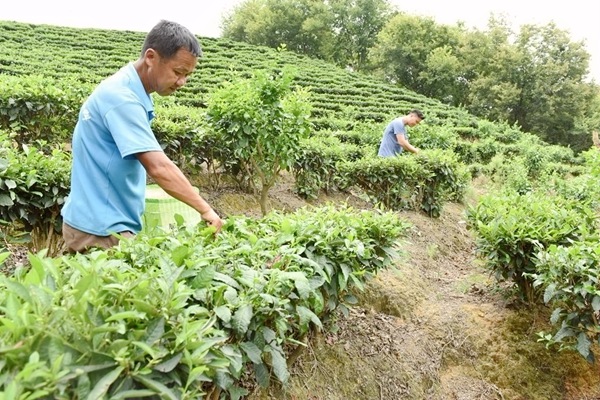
114	147
395	136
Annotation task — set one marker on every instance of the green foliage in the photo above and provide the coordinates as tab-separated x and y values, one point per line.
3	255
433	137
569	277
392	181
356	24
534	79
528	163
362	133
591	160
184	136
536	82
182	313
33	187
316	165
510	174
449	180
423	182
95	326
589	121
340	31
333	90
511	229
405	47
260	122
303	26
438	78
503	132
552	92
40	108
582	187
484	150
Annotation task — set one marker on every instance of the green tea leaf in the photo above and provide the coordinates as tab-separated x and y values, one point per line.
583	345
224	313
252	351
226	279
4	256
279	365
158	387
133	394
549	292
241	319
126	315
5	200
10	184
262	374
147	349
179	220
101	388
179	255
155	331
170	364
18	289
204	277
307	316
237	393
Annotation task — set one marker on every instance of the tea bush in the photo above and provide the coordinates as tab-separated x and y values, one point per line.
182	313
511	229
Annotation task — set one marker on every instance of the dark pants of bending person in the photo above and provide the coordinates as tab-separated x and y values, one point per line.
80	242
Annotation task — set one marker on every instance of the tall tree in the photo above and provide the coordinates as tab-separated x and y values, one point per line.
341	31
302	25
441	77
590	119
403	47
355	25
493	66
551	79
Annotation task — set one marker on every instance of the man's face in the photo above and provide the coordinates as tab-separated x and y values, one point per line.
413	120
168	75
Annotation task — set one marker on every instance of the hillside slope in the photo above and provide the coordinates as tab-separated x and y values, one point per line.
432	327
89	55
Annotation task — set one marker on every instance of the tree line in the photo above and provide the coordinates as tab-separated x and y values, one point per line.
535	78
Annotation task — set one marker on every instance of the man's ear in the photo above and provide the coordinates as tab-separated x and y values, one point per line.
151	57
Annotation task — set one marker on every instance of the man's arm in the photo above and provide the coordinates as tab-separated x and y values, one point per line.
402	141
169	177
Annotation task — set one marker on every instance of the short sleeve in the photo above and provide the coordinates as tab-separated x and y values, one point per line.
399	127
130	127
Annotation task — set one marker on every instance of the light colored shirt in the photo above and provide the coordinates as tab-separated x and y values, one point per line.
389	143
108	182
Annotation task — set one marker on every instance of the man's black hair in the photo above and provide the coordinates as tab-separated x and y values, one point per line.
418	113
167	37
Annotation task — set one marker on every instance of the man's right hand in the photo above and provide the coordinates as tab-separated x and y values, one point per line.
213	219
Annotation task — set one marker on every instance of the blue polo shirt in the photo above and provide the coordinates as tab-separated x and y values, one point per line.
108	182
389	143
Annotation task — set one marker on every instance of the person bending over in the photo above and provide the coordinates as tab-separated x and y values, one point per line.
114	148
395	135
